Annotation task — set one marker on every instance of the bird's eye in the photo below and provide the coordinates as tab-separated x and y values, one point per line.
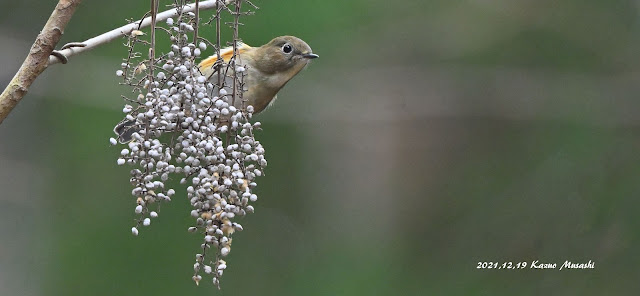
287	48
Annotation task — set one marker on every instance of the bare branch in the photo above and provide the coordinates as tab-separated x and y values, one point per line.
118	32
40	55
37	60
197	26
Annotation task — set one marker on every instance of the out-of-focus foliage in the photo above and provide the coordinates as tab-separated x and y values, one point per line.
429	136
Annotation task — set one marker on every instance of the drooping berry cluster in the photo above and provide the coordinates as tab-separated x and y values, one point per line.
183	124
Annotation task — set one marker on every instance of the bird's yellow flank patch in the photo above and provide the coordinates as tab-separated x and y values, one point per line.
226	54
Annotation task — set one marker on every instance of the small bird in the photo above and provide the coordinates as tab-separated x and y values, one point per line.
268	68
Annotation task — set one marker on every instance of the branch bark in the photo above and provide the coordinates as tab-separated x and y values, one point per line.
40	55
38	58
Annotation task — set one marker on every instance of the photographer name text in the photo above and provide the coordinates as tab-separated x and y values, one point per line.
536	264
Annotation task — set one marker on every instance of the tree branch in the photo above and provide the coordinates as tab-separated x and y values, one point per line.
107	37
38	58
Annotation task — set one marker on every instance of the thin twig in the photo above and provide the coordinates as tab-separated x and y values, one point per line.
73	44
218	45
197	24
152	48
236	20
118	32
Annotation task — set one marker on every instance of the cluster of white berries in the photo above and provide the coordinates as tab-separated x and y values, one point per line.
182	124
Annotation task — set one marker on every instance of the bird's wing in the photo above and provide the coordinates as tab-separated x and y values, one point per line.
226	54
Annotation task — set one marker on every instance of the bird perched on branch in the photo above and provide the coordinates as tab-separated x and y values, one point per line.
266	69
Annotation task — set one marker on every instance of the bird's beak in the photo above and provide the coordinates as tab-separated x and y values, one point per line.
310	55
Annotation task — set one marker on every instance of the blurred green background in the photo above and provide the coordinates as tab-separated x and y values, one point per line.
428	137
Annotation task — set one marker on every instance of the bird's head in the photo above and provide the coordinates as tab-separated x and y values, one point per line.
283	54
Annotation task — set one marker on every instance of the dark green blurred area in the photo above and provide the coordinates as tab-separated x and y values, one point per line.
429	136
